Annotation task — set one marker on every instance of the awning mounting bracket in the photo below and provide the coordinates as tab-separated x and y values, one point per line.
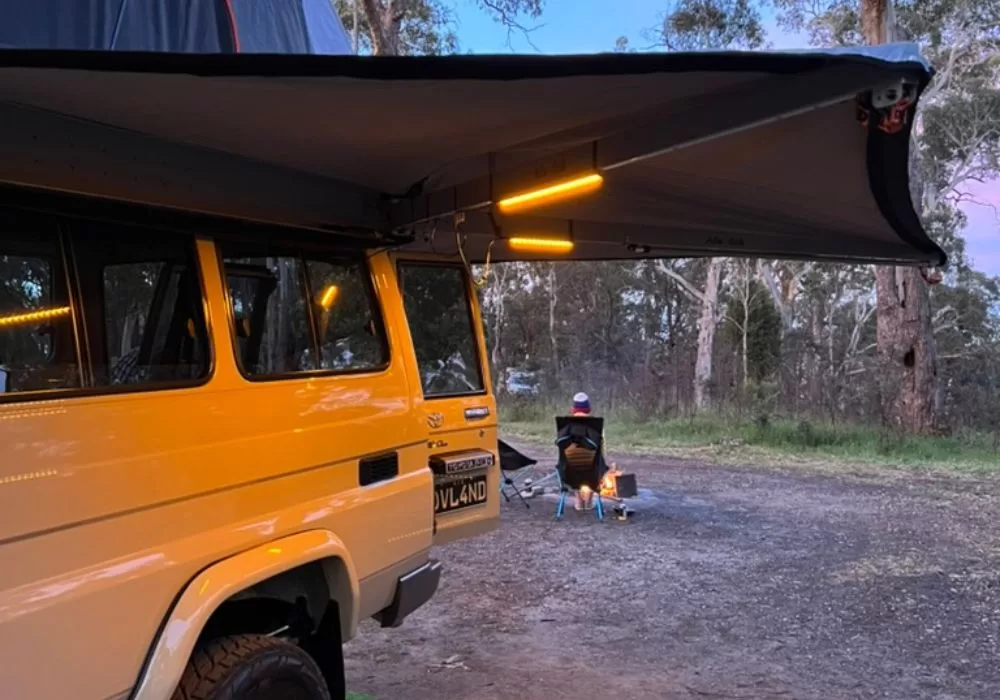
891	104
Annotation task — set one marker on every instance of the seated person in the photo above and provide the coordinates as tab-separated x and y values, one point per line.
581	408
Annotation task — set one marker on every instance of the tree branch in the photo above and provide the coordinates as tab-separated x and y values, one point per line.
943	77
691	290
509	20
964	197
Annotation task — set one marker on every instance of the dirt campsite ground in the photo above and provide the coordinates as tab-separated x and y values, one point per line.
731	582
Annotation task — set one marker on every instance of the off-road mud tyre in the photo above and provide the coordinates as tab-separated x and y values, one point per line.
251	667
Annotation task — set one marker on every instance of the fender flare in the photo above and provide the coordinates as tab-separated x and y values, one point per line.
217	583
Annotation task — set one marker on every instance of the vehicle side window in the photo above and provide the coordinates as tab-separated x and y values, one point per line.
269	311
349	334
440	318
37	347
143	306
127	302
294	313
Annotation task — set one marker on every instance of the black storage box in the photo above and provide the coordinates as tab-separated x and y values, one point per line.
625	485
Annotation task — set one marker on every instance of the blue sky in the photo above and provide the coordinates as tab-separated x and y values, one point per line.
590	26
577	26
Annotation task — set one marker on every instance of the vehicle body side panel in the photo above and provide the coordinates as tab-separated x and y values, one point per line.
114	503
214	585
449	429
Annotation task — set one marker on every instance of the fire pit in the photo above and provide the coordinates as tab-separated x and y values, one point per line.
618	485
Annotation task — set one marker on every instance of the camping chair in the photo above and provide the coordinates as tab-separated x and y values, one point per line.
581	458
511	461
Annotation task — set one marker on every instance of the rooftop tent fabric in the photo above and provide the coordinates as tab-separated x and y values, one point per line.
271	26
193	26
326	33
58	24
185	26
702	153
182	26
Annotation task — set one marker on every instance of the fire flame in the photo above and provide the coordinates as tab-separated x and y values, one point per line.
608	486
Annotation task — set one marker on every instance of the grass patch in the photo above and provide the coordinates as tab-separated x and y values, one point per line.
784	439
358	696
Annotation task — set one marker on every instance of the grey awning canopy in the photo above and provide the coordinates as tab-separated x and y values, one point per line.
701	154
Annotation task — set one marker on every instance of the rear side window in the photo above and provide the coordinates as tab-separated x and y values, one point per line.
348	330
440	318
99	307
143	306
270	313
296	313
37	346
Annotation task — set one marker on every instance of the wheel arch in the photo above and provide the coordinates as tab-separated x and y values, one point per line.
218	583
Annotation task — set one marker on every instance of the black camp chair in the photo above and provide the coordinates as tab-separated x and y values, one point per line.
581	458
511	461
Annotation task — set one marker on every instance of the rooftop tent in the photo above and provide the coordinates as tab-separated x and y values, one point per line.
188	26
701	154
289	26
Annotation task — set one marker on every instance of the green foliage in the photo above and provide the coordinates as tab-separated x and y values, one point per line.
831	23
509	12
426	27
960	139
944	225
627	332
699	25
752	305
958	129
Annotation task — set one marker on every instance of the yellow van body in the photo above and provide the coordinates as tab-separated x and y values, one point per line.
133	513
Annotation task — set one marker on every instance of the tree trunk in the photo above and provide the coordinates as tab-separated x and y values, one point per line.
814	382
907	357
553	337
746	330
707	323
383	23
499	285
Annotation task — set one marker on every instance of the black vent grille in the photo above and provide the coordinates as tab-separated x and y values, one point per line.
372	470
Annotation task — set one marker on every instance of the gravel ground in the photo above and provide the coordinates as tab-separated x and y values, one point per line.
730	583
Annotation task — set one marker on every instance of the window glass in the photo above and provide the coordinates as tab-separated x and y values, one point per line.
37	345
153	324
296	314
143	306
270	314
440	320
349	333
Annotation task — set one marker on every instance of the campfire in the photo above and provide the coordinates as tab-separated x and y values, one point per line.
617	485
608	487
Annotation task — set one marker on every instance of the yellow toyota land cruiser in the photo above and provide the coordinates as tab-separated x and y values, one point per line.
243	388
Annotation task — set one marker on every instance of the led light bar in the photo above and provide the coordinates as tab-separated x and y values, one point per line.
33	316
540	245
544	195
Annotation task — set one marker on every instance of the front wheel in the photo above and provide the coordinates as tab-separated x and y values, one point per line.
251	667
